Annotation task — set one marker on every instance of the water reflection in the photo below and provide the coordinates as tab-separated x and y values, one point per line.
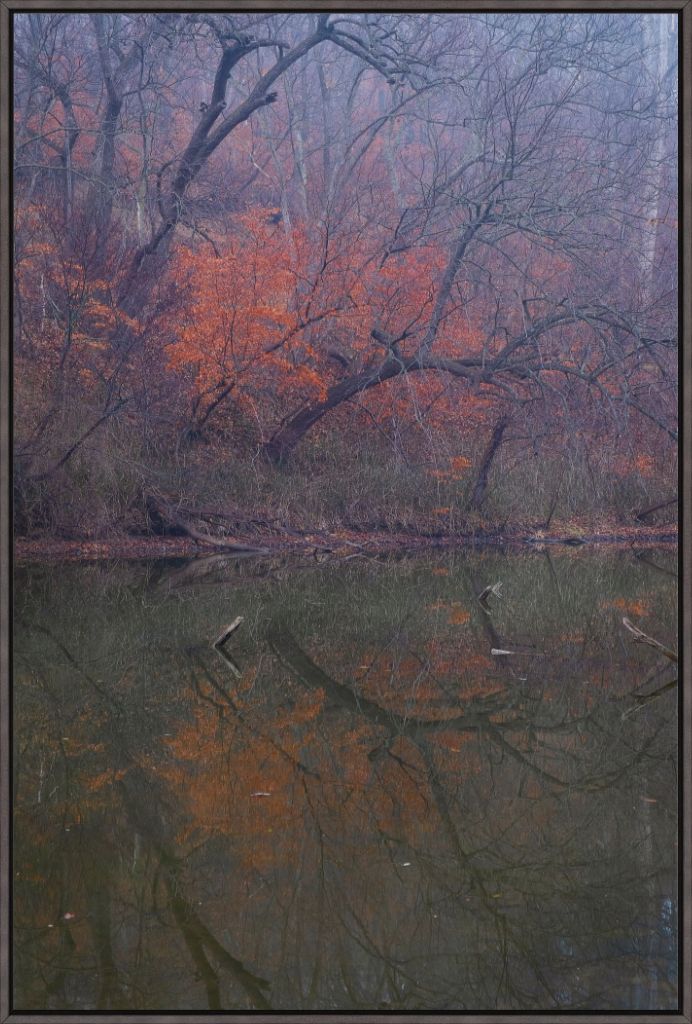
354	804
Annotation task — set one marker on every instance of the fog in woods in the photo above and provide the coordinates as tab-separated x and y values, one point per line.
353	268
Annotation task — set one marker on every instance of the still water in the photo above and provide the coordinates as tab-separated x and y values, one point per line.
358	804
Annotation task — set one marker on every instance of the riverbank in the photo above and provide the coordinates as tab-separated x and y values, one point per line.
337	543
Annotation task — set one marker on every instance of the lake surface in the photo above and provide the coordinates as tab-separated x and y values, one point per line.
360	806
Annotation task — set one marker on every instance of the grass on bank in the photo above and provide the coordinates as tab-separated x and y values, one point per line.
332	483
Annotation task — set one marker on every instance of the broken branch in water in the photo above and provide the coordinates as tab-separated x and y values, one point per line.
639	637
227	630
493	589
643	701
235	669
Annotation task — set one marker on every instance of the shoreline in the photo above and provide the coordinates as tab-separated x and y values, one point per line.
337	544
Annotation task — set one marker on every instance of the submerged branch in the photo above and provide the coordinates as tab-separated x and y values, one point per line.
639	637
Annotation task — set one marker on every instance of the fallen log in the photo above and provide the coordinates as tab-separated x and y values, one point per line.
163	513
223	543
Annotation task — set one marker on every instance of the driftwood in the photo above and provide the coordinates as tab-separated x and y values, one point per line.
227	631
639	637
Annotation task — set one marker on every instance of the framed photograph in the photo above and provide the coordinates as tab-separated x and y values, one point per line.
341	617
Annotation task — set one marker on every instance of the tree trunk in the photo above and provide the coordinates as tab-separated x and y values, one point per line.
658	43
280	446
492	448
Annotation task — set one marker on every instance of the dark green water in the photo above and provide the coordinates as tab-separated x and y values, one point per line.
361	806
